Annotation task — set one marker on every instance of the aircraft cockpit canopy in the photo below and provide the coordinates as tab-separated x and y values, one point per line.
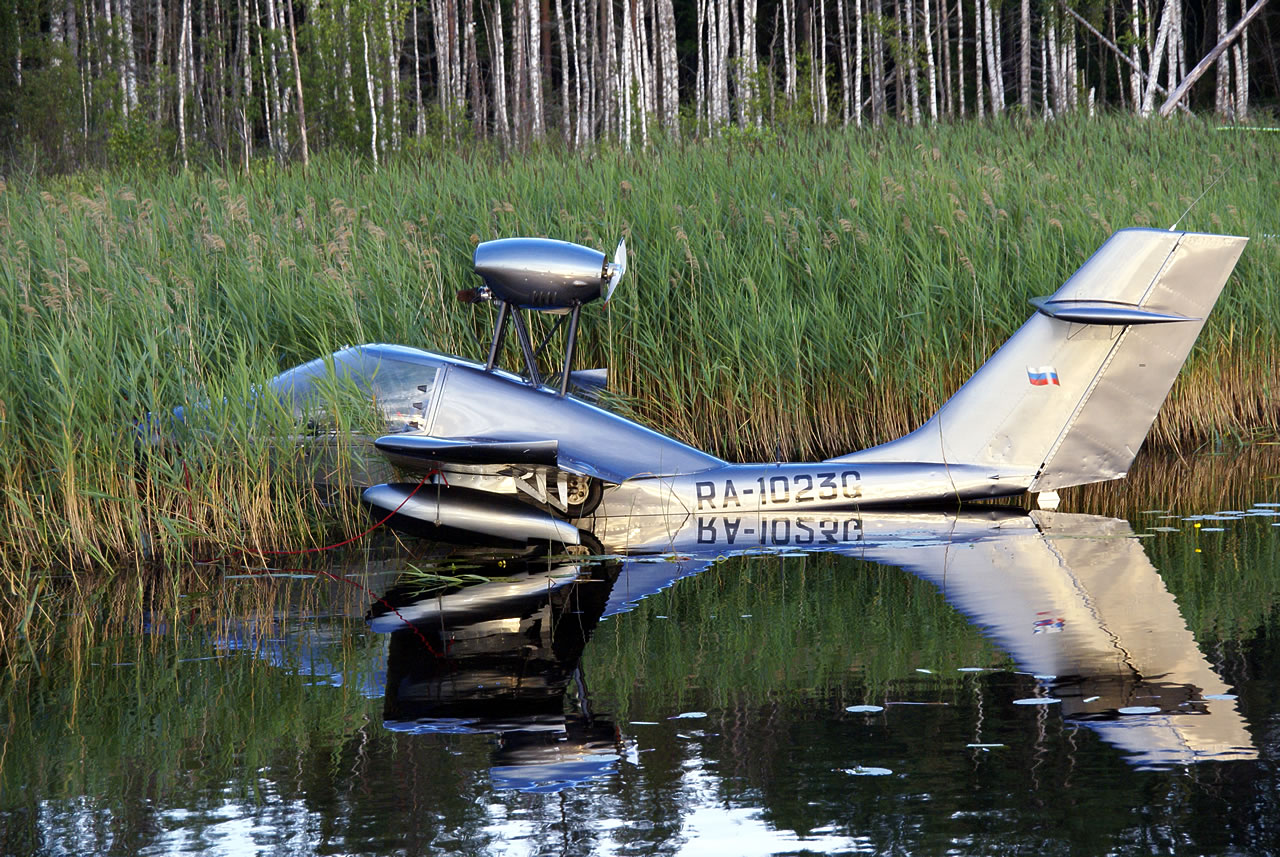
397	381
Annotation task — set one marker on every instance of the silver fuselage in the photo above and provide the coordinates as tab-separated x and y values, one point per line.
648	473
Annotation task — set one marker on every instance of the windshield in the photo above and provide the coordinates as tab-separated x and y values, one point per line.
398	382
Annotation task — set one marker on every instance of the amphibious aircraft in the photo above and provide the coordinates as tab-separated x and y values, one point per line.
524	457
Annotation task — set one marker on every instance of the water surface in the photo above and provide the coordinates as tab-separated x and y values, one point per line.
988	681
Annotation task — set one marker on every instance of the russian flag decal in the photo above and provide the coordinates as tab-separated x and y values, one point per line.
1041	376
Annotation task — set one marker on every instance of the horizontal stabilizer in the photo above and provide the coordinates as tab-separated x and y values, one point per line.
415	451
1104	312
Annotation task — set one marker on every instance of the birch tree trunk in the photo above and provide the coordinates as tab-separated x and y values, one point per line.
246	84
1135	75
846	75
1024	80
996	61
297	80
1157	60
373	104
877	63
820	63
789	50
182	80
419	109
535	71
125	21
913	72
931	66
960	58
1241	52
501	119
566	125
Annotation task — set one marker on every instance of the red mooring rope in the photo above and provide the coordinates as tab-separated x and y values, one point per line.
242	551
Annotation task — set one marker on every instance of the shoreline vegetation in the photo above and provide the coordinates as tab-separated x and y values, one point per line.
796	294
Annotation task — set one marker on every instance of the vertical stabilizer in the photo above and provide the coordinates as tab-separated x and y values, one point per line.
1071	396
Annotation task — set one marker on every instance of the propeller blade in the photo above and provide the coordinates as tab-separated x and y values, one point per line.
617	269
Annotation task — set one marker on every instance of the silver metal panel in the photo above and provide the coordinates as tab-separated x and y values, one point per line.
593	442
810	488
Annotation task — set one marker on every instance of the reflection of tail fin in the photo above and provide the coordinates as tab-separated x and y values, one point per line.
1072	394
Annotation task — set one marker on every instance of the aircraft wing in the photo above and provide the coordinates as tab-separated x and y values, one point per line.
423	452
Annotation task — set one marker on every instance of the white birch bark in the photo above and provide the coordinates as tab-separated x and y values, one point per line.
1241	52
1024	77
820	62
125	21
579	109
393	70
535	70
501	118
373	105
912	61
521	125
846	77
246	84
998	99
566	119
668	64
625	78
722	61
857	62
1073	66
297	80
931	65
419	114
1135	75
645	49
609	70
185	32
1053	71
960	57
1046	110
878	82
1157	60
789	50
979	53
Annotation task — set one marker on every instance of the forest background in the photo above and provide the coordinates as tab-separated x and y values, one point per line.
145	82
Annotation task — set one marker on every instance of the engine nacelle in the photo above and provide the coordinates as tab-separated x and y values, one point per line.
542	274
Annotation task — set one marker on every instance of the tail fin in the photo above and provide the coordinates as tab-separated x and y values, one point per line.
1071	396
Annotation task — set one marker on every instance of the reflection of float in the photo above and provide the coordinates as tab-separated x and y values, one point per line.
499	658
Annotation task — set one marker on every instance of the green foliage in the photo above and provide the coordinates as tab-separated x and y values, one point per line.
134	142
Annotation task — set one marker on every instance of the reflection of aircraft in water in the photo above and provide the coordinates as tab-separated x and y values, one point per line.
1072	598
498	657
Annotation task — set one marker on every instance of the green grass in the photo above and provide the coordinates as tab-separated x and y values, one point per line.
813	293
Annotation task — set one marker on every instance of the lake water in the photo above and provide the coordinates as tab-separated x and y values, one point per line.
977	682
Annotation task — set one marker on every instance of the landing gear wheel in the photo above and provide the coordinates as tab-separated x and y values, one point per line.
584	495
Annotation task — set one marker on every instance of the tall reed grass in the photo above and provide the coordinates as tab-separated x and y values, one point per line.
805	294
